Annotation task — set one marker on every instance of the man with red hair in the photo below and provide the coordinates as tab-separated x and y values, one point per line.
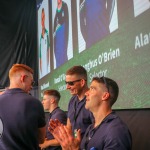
22	118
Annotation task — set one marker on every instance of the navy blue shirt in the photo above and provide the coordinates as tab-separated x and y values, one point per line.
59	114
80	117
94	20
112	133
61	33
20	115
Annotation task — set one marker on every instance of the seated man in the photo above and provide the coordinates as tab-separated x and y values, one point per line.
50	102
107	132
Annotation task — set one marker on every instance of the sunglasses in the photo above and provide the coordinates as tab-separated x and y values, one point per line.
72	82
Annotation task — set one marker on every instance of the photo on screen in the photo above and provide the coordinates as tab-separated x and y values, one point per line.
62	32
96	20
43	39
140	6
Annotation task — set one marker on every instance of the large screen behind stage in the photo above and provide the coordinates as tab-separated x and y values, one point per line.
107	37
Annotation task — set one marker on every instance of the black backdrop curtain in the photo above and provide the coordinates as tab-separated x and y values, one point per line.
18	33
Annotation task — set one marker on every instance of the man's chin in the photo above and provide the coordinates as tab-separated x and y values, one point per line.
73	94
86	106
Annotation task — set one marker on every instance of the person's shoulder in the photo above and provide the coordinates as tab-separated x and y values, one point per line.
117	130
64	5
32	99
60	115
73	99
116	125
60	111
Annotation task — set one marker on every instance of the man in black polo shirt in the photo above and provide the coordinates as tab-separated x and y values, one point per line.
50	102
78	116
22	118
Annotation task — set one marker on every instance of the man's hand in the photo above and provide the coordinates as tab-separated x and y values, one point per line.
64	136
44	145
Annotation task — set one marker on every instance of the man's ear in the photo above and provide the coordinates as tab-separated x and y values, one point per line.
22	78
105	96
83	82
52	100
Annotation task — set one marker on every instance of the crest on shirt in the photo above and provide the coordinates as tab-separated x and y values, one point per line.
63	14
1	128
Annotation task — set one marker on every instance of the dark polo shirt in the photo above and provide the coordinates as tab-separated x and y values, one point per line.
80	117
112	133
59	114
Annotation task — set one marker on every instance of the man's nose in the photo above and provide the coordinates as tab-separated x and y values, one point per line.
67	86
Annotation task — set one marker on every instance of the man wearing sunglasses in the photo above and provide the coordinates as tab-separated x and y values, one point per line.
22	116
107	132
78	116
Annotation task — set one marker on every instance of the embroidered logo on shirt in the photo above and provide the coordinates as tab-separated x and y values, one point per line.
1	128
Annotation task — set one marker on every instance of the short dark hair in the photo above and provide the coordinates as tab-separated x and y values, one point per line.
77	70
54	93
112	87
